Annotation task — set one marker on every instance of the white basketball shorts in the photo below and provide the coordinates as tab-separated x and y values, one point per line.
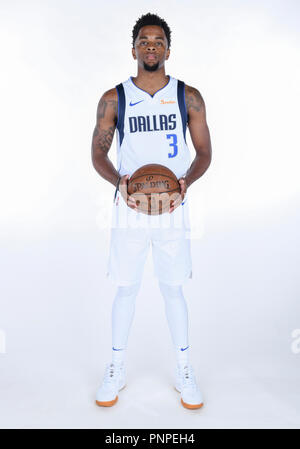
132	233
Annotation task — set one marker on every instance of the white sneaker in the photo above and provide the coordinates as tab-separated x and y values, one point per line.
185	383
113	382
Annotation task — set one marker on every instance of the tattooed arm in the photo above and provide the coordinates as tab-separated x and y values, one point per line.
199	134
107	115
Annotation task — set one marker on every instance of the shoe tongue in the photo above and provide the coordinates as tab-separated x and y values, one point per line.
115	366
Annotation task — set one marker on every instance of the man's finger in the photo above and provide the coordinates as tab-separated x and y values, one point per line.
132	200
175	203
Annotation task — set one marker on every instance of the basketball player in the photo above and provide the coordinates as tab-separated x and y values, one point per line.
150	113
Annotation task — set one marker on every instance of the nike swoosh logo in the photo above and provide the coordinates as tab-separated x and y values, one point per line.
133	104
117	349
183	349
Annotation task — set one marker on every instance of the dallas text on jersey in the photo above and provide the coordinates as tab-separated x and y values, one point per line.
152	123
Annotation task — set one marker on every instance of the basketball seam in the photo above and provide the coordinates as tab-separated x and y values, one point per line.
153	193
151	174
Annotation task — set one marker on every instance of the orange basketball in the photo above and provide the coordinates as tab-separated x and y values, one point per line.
154	187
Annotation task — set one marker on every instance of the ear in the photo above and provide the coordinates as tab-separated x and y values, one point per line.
133	53
168	54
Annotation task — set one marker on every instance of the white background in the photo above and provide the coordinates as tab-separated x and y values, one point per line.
57	58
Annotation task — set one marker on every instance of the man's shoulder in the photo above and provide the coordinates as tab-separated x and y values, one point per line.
110	95
192	90
193	97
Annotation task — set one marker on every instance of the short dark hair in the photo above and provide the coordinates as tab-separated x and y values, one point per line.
151	19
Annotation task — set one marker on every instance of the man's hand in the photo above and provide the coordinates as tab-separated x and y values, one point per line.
123	186
180	196
131	202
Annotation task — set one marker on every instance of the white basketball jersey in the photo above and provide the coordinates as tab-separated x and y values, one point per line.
152	129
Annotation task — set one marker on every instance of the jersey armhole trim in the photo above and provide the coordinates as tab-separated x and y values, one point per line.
121	111
187	117
118	107
182	105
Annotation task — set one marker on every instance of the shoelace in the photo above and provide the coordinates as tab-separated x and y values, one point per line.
111	373
188	378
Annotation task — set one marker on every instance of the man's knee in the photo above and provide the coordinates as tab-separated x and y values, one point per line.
170	291
128	290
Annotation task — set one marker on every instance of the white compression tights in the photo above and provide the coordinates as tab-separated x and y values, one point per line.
176	312
123	313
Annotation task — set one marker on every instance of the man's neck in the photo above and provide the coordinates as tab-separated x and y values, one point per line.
151	81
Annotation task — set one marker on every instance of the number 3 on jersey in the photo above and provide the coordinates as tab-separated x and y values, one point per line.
173	144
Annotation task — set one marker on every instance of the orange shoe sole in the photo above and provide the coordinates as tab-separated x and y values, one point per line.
189	406
192	407
107	403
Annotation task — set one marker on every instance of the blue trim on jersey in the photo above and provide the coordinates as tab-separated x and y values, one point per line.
187	117
121	111
182	105
152	96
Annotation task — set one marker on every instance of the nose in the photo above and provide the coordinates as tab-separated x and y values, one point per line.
151	47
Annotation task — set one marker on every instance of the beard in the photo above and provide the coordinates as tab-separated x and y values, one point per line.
151	68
